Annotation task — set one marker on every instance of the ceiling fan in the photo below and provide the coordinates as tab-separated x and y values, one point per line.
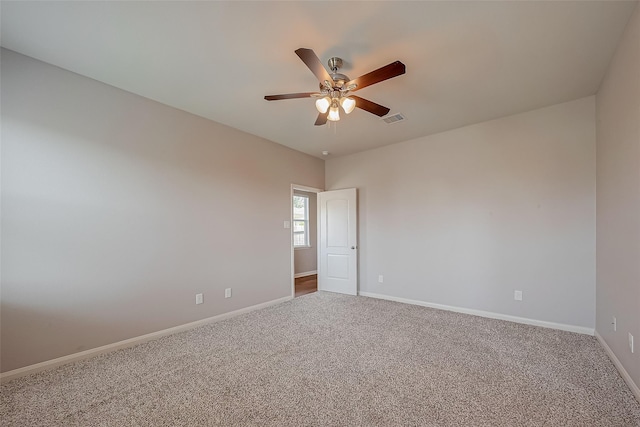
336	88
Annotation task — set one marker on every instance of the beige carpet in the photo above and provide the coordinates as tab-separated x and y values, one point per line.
332	360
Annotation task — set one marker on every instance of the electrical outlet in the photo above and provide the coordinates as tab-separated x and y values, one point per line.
227	293
615	324
199	299
517	295
631	342
380	279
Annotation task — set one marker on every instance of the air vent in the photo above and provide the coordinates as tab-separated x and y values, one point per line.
394	118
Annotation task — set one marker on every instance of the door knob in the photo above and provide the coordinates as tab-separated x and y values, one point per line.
353	247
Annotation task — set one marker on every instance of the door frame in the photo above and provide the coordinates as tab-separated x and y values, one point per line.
293	266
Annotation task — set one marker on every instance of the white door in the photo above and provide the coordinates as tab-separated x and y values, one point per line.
338	255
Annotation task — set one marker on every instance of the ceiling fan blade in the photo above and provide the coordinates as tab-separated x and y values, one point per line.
370	106
322	119
290	96
312	61
381	74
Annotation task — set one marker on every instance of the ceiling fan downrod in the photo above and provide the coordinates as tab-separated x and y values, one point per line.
339	79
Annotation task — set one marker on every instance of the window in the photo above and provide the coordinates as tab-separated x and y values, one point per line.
300	221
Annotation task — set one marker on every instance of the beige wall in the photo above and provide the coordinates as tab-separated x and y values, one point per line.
618	201
306	259
464	218
117	210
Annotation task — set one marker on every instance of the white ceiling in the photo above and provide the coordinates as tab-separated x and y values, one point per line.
466	62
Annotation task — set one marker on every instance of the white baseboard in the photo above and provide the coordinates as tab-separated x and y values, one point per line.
489	314
623	372
50	364
306	273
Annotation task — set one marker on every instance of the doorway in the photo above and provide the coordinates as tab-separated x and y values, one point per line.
306	285
304	240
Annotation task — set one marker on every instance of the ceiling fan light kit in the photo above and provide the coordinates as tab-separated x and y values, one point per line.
335	87
334	114
347	104
323	104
